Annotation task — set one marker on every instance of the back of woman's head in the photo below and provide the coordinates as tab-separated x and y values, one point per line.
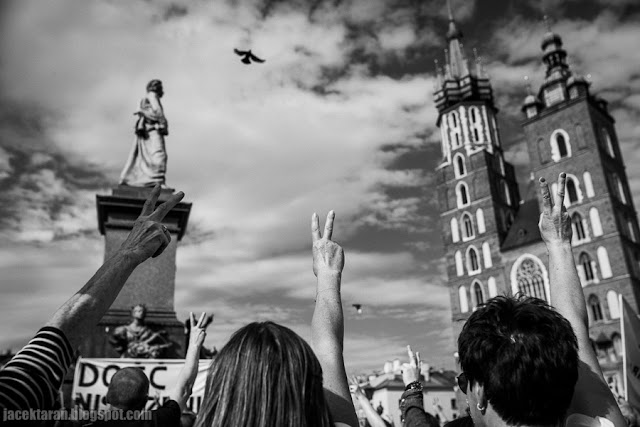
266	375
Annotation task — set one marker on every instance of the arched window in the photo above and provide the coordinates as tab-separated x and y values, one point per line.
459	166
507	194
455	234
454	129
587	268
530	278
459	264
632	229
467	227
493	289
588	184
480	220
473	265
595	309
608	145
475	125
462	296
617	344
486	255
578	227
596	225
603	260
476	288
462	194
620	188
612	302
572	193
560	146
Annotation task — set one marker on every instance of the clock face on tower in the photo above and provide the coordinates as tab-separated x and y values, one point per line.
553	95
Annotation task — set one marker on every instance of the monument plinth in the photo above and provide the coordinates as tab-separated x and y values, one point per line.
152	283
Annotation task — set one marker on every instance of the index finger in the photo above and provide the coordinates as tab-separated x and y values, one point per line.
150	203
192	319
410	353
547	203
315	227
201	320
162	210
328	226
562	181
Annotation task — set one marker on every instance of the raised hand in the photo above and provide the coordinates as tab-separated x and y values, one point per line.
199	329
328	256
149	238
411	370
555	222
357	392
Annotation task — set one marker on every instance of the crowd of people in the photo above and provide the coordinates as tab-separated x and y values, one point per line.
524	362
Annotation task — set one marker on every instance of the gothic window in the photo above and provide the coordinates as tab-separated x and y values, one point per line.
455	234
459	167
473	264
530	279
480	219
587	268
596	225
486	255
462	193
608	145
455	129
578	227
477	293
620	188
612	302
560	147
501	160
588	184
632	229
595	308
493	289
476	124
506	193
572	193
462	296
467	227
603	261
459	264
496	134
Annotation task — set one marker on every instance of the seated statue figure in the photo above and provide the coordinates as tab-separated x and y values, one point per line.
137	340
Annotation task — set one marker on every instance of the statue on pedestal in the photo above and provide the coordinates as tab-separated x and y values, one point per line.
147	162
137	340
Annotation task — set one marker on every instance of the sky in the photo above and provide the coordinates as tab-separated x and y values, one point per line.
340	116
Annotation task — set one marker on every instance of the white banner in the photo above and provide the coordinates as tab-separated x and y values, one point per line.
630	326
92	378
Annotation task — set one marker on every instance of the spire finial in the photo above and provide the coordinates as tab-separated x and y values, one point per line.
547	22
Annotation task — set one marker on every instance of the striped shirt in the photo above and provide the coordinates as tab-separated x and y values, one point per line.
31	379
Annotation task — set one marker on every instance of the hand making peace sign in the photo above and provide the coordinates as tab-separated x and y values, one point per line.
555	222
328	256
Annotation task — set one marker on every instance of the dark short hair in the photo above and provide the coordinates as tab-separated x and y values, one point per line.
525	354
154	85
128	389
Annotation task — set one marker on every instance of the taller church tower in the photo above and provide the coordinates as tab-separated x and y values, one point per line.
478	193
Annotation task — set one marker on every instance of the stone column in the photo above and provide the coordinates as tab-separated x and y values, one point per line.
152	283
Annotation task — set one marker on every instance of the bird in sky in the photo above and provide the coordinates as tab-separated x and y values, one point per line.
248	56
358	308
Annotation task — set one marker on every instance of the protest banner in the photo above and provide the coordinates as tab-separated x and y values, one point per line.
92	378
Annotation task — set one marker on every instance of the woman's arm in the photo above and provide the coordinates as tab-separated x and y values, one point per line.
592	396
327	325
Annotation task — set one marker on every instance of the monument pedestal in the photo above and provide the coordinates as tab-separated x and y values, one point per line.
152	283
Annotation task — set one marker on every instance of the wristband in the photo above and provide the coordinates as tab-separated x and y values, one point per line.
415	385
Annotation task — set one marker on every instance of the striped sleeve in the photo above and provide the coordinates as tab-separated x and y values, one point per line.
31	379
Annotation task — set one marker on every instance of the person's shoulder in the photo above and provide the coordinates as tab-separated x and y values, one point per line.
581	420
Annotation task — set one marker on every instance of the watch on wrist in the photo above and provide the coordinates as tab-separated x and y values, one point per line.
415	385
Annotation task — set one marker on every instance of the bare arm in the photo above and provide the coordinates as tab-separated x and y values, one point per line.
372	416
592	396
327	325
187	376
83	311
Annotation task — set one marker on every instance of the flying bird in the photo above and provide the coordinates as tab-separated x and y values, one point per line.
358	308
248	56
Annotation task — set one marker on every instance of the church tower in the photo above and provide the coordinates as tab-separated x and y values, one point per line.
478	194
570	129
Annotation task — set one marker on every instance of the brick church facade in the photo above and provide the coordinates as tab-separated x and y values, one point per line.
490	230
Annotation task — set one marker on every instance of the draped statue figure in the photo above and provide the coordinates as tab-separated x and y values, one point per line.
147	162
137	339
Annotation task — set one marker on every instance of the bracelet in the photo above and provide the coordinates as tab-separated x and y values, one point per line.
415	385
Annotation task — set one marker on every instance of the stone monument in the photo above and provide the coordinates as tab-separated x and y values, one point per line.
153	282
